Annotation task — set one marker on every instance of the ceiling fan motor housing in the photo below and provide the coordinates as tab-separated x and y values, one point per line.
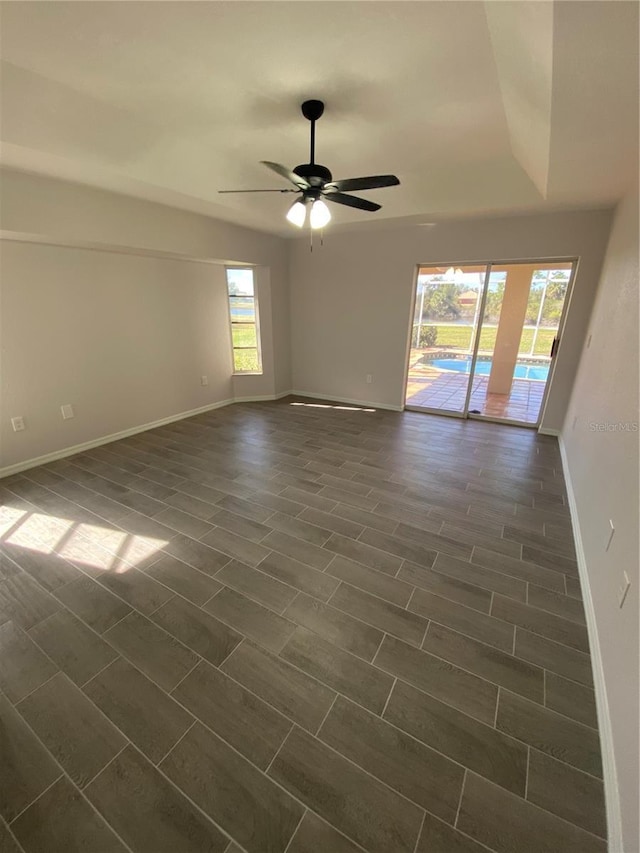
316	174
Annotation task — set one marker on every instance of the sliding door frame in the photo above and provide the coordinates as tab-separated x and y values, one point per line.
465	414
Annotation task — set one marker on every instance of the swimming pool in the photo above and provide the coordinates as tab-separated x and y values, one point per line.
483	367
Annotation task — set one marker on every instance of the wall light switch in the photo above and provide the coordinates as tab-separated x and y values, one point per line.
575	421
369	378
17	424
623	589
611	532
67	411
204	380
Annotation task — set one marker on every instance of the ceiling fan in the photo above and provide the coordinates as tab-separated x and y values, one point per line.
315	182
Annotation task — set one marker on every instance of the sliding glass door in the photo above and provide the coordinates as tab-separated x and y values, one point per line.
443	336
483	338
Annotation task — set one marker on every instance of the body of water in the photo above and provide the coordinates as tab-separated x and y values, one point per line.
483	368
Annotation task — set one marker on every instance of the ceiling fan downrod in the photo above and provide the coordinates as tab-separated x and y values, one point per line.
312	111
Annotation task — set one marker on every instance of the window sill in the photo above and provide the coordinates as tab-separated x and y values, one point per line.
248	373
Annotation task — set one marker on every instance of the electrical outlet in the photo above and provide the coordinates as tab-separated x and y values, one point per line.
17	424
611	532
369	378
67	412
623	589
204	380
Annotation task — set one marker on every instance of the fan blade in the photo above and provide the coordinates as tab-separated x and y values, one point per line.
373	182
353	201
296	180
258	191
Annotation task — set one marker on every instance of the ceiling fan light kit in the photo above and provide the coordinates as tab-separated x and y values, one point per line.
315	182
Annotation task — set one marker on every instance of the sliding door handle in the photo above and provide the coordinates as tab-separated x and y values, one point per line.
554	347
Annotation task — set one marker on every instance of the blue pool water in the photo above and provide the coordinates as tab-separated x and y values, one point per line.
483	368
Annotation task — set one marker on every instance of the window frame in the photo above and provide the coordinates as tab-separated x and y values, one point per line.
255	322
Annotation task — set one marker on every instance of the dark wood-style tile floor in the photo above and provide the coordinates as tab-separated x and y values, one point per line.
291	627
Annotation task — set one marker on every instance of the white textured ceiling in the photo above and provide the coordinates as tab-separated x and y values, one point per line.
477	107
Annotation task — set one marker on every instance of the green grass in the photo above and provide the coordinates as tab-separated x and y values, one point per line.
459	337
246	360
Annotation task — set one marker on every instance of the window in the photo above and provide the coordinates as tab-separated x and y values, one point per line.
243	313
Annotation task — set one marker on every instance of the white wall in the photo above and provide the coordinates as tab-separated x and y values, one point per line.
104	304
351	299
602	467
124	339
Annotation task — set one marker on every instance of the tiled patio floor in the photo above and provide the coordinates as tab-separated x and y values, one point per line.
446	390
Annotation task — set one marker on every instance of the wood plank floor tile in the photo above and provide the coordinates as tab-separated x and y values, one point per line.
571	699
155	652
365	684
522	826
373	581
439	678
137	589
356	803
467	621
314	835
257	585
139	708
77	650
197	630
554	656
184	522
297	549
61	819
375	519
299	528
479	576
383	615
93	604
476	745
238	797
23	666
148	812
182	579
196	554
247	617
518	569
440	837
234	546
549	732
555	602
496	666
50	572
299	575
290	559
332	522
408	766
72	728
567	793
24	602
541	622
372	557
295	694
27	767
446	587
339	628
234	713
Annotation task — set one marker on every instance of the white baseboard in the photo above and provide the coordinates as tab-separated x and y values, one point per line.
549	431
611	792
262	398
365	404
125	433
